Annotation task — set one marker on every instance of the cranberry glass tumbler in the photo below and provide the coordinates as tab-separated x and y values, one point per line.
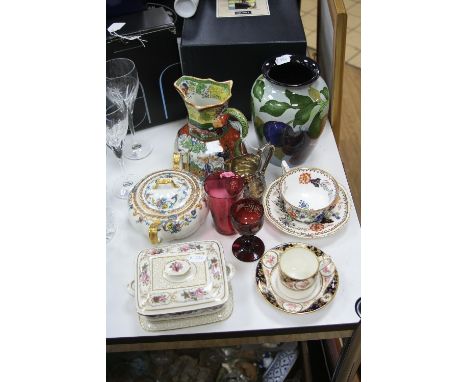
223	189
247	220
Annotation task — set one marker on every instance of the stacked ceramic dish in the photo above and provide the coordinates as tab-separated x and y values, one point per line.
182	285
306	202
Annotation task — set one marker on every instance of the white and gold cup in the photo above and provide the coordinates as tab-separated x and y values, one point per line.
298	267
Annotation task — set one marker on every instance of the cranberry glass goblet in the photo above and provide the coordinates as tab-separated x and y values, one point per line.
247	220
223	189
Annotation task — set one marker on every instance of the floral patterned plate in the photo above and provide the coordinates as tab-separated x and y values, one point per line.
310	300
325	224
203	284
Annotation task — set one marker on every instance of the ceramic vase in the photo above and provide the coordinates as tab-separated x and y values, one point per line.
289	103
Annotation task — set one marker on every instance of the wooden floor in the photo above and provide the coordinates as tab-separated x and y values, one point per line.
350	140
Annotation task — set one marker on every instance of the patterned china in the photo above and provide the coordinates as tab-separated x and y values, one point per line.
167	205
153	324
309	300
202	285
290	103
297	268
307	192
213	132
325	224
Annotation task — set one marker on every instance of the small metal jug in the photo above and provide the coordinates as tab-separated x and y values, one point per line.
252	169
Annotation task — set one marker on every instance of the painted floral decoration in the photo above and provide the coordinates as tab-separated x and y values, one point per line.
155	251
195	294
188	246
317	227
270	259
214	268
159	299
303	204
176	266
144	275
304	178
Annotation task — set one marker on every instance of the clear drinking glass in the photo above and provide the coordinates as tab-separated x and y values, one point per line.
116	130
111	228
122	87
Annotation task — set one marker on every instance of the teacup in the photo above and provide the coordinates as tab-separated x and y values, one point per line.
307	192
298	267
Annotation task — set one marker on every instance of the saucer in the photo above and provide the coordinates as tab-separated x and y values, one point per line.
325	224
319	294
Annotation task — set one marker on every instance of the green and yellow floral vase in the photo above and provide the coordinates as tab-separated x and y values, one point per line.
214	132
289	103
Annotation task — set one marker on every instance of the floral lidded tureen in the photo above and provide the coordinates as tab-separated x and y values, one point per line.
167	205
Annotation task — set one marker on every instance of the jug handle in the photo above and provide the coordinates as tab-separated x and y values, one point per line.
270	149
237	115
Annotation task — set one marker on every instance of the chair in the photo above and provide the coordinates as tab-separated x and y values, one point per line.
331	45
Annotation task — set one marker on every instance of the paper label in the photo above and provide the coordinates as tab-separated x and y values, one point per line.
115	27
196	258
282	59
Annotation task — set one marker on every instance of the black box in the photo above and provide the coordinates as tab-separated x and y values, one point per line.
117	8
169	6
157	62
235	48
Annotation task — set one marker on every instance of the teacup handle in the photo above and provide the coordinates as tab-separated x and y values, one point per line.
238	116
284	166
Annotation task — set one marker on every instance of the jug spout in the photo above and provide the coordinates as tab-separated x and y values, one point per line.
203	93
206	101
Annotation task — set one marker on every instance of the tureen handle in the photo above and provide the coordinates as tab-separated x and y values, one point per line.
165	181
230	271
153	232
131	288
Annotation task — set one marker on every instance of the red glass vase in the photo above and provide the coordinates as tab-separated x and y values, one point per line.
223	189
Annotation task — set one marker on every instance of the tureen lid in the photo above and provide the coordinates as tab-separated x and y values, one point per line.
164	193
180	278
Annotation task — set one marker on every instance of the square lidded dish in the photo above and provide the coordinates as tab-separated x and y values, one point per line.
181	279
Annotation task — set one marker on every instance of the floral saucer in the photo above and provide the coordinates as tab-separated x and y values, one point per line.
320	293
325	224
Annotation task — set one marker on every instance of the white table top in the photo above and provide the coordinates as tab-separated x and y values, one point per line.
251	312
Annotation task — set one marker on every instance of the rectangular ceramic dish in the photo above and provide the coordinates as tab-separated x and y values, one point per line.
181	278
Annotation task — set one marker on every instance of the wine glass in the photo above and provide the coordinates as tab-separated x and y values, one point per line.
111	228
247	219
122	87
116	130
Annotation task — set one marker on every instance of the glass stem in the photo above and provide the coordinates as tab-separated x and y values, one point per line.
130	124
118	153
